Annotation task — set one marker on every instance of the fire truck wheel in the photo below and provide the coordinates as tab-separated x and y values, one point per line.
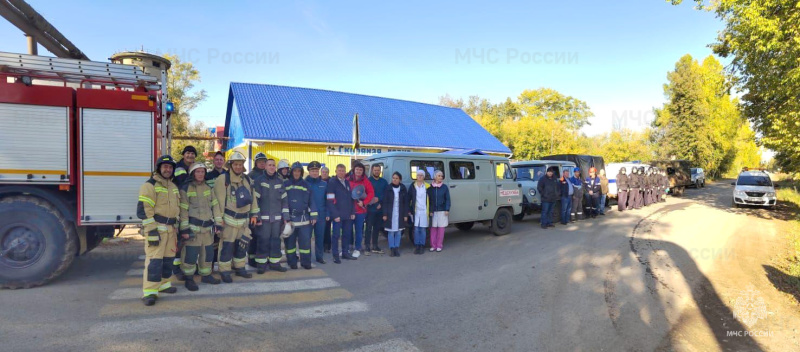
37	243
501	224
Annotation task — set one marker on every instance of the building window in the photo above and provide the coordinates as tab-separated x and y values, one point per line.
462	170
429	166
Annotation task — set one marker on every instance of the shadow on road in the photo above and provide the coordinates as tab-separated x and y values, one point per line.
637	312
782	281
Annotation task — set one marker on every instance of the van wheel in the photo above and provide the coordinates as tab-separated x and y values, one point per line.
465	226
519	216
501	224
37	243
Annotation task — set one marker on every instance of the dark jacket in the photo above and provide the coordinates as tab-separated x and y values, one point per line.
255	173
387	204
181	173
301	203
622	183
634	181
340	199
592	184
563	187
439	198
549	189
212	175
318	187
378	186
271	197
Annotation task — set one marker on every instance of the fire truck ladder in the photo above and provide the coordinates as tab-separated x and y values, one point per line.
91	72
72	69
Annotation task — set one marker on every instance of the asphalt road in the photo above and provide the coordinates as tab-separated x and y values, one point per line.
640	281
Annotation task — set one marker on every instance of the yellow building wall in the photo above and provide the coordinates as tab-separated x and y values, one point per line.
304	153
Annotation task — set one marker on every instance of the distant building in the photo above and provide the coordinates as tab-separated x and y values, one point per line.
302	124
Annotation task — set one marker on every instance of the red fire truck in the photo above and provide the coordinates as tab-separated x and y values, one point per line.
78	140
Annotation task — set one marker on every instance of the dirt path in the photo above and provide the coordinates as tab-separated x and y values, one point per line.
718	281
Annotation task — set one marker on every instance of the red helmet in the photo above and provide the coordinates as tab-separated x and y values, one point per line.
591	169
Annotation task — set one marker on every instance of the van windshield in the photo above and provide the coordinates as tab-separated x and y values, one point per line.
754	181
533	173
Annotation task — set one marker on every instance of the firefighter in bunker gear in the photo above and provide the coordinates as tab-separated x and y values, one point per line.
271	201
234	194
158	207
302	213
197	227
259	169
283	169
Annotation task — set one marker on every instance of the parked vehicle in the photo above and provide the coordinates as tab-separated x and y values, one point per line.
585	162
482	187
679	173
612	170
754	188
62	186
528	174
698	177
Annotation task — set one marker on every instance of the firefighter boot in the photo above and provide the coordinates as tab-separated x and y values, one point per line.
190	284
149	300
243	273
208	279
261	268
277	267
226	277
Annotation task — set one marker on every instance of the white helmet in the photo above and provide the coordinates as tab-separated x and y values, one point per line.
236	156
196	166
283	164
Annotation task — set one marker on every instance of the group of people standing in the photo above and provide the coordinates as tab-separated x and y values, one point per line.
575	193
187	210
641	188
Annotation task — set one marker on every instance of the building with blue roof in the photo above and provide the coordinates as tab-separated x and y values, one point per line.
303	124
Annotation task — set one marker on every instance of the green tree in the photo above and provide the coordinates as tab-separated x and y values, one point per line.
549	104
540	122
182	77
761	37
700	119
623	145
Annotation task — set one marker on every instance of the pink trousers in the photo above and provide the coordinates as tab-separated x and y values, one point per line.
437	237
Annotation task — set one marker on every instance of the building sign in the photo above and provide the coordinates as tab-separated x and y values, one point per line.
363	151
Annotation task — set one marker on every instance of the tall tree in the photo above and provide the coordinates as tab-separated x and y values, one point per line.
182	77
761	37
700	120
550	104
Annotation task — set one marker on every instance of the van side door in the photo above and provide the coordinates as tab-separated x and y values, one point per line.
508	190
465	204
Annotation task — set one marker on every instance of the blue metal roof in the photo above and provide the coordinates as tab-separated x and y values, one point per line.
279	113
465	152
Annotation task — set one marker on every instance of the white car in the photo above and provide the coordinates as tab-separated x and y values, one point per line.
754	188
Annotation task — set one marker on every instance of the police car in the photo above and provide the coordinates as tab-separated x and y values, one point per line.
754	188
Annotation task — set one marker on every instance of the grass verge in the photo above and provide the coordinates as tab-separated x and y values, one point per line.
789	196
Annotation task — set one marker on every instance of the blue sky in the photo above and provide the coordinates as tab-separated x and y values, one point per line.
615	54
